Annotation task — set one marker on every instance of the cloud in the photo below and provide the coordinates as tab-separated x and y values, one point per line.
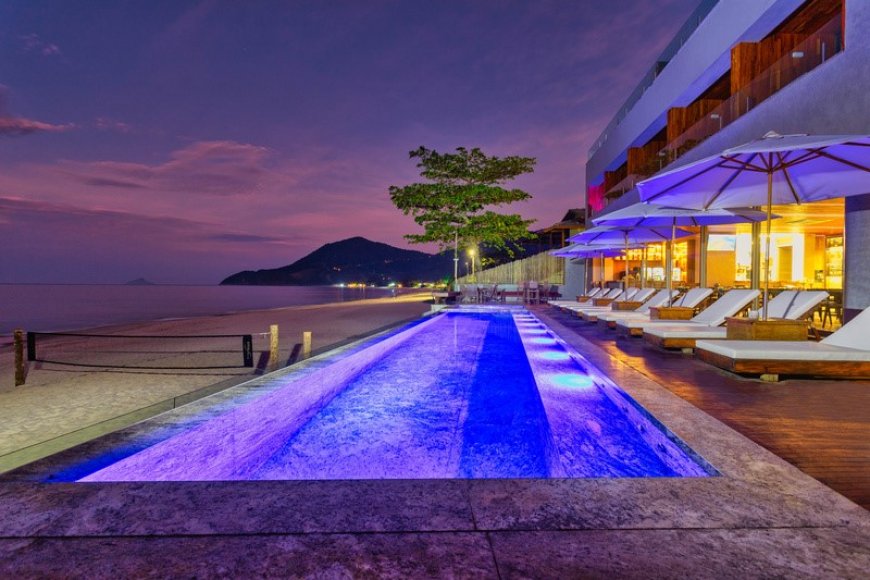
17	126
33	44
106	124
223	168
59	242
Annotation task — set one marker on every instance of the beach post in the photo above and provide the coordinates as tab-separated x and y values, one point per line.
20	368
306	344
273	345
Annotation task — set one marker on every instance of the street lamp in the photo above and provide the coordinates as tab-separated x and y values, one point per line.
471	253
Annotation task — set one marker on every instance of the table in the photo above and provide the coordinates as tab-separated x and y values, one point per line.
771	329
671	313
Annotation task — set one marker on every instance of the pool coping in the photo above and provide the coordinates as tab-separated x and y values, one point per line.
757	495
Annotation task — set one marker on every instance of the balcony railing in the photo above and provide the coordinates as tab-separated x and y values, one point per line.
661	62
809	54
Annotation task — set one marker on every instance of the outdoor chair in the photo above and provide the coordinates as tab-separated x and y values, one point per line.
787	305
843	354
659	299
729	305
691	299
631	295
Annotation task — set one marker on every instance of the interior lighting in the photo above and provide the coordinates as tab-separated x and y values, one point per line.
797	54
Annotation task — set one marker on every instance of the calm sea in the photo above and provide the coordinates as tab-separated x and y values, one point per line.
50	307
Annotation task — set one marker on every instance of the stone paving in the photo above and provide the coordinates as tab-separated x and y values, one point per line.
762	517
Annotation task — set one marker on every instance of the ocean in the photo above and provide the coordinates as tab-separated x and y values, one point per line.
65	307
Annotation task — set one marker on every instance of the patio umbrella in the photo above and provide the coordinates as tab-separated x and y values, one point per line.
774	169
653	215
628	236
587	251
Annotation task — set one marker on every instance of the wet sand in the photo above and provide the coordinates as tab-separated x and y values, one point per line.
59	399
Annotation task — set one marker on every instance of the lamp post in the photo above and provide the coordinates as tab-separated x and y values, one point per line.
471	254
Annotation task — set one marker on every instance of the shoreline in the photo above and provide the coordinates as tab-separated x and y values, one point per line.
6	340
60	399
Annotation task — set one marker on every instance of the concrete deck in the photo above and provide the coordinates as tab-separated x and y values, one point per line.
761	518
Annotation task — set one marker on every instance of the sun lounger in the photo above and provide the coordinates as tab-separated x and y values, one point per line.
641	312
591	293
728	305
631	295
610	296
787	305
845	353
690	299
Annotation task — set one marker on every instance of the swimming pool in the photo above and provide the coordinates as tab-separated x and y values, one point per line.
474	393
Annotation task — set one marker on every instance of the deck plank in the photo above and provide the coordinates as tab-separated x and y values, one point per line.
820	426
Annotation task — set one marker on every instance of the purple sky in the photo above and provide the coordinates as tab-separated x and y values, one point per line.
184	141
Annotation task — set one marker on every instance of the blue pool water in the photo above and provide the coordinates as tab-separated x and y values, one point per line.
486	394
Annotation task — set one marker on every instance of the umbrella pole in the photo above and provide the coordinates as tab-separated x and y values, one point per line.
643	269
767	244
670	267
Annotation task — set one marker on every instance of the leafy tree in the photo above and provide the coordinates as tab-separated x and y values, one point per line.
452	205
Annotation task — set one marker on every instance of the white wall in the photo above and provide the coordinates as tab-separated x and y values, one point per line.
703	59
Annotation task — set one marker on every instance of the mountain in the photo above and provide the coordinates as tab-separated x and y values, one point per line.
352	260
140	282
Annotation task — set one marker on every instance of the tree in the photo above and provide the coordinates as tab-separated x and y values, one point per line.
452	205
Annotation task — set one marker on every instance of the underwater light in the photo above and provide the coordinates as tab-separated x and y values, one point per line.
542	340
572	380
553	355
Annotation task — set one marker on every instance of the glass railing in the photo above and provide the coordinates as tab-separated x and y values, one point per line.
661	62
806	56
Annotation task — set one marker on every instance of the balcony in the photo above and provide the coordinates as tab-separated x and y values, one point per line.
814	51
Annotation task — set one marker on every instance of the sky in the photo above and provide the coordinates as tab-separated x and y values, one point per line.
183	141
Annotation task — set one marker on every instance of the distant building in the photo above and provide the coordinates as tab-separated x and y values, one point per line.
736	70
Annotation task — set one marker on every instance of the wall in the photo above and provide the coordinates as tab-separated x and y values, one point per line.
831	99
702	60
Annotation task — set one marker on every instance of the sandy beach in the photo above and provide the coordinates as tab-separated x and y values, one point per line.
59	399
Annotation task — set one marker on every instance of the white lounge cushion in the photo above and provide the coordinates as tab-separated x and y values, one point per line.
697	331
693	297
714	315
854	334
782	350
728	305
642	311
792	305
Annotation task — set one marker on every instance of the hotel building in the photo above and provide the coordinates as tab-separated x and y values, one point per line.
736	70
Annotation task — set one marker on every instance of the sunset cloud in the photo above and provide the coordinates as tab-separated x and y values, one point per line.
205	167
32	43
11	126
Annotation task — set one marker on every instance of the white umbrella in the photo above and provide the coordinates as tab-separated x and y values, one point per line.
653	215
794	169
587	251
628	236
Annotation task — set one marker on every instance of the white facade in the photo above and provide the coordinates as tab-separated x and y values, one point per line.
833	98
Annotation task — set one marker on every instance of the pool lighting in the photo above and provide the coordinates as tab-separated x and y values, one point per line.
542	340
572	381
534	331
554	355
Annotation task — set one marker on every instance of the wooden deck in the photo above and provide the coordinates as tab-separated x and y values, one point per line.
820	426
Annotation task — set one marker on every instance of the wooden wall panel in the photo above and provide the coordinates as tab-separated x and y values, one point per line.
680	119
750	59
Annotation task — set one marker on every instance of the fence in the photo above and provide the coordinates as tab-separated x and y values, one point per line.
541	267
